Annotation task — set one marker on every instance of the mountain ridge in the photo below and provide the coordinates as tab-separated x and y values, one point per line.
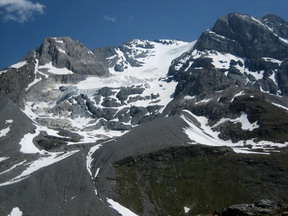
99	107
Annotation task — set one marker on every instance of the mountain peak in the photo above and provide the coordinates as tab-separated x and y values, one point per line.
278	25
63	52
244	35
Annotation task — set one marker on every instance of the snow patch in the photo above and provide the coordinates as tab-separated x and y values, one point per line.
27	145
243	119
272	60
203	101
16	212
59	41
3	159
186	210
89	158
19	64
4	131
121	209
237	95
9	121
204	135
278	105
43	161
61	50
54	70
3	72
13	167
189	97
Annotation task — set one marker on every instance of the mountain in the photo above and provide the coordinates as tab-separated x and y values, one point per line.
160	127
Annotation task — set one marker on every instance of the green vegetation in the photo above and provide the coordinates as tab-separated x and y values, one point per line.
201	178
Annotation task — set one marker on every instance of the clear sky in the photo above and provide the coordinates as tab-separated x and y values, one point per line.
99	23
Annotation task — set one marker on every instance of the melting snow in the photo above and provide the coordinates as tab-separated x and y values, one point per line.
121	209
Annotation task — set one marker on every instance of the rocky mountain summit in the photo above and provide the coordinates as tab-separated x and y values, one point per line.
92	129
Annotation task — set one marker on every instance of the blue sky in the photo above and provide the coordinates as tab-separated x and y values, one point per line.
99	23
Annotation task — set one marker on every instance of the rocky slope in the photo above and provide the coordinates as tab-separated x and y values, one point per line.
87	123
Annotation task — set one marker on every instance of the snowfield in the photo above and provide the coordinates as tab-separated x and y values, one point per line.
204	134
150	76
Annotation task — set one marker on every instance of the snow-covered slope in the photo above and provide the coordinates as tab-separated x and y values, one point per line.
141	91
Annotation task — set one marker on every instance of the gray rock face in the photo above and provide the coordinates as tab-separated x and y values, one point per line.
123	94
245	36
63	52
14	82
277	24
262	207
133	52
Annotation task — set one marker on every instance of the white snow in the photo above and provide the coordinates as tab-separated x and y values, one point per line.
18	65
89	159
9	121
121	209
243	119
3	71
154	67
61	50
222	60
16	212
204	134
4	131
203	101
27	145
272	60
54	70
59	41
190	64
189	97
278	105
283	39
97	172
36	80
186	210
237	95
13	167
3	158
43	161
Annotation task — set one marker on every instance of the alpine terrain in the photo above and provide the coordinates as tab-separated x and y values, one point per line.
162	127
